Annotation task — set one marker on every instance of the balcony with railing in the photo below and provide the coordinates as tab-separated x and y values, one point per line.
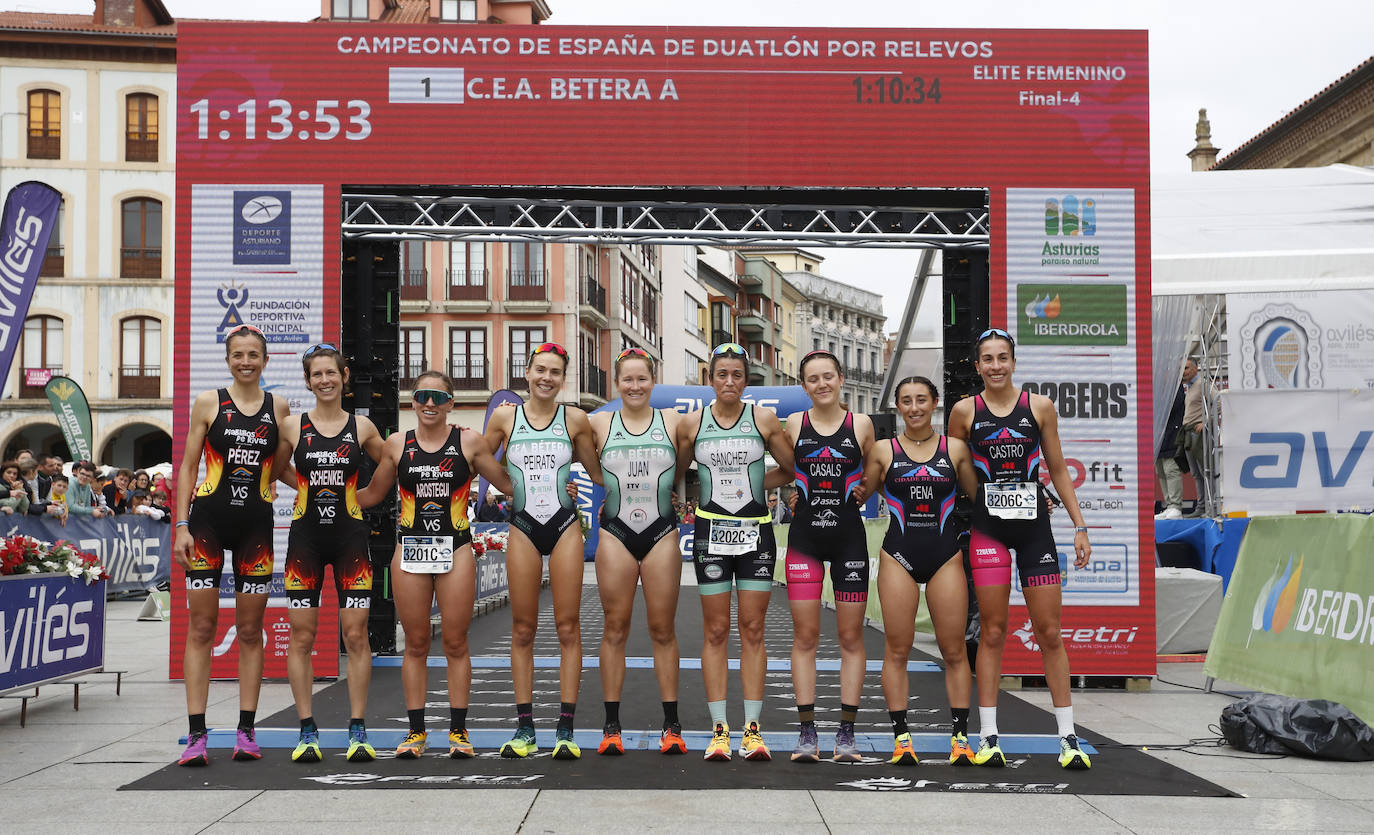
527	285
140	150
414	285
517	381
140	381
719	337
467	285
137	262
592	301
468	375
408	372
593	381
54	262
45	147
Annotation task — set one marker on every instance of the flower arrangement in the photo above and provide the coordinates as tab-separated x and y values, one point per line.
26	555
485	541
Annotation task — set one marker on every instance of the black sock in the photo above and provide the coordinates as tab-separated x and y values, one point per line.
670	714
848	713
308	725
898	718
806	714
960	716
612	713
417	720
565	715
197	721
355	724
457	719
524	714
246	719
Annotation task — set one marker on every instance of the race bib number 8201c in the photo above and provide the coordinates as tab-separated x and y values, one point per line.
426	554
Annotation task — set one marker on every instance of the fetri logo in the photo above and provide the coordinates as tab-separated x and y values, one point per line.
1070	217
1276	599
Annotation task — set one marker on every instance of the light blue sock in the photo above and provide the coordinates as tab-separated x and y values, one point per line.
717	712
753	708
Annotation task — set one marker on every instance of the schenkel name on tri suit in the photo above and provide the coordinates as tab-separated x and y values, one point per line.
327	525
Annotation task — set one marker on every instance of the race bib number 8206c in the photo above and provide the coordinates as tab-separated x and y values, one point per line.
1012	500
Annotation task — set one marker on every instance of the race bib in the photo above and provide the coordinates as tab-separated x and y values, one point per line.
732	537
426	554
1012	499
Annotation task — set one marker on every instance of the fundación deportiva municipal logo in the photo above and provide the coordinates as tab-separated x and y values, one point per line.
1071	314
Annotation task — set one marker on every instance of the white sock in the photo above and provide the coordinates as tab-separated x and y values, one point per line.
987	721
1063	717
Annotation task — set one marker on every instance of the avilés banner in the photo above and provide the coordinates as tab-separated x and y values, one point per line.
1298	617
30	212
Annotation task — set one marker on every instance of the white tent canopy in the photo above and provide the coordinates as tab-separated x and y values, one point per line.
1260	231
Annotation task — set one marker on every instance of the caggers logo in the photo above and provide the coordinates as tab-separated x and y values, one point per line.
1085	400
1071	314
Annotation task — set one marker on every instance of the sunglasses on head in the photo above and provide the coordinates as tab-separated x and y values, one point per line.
244	327
315	349
726	349
549	348
633	352
996	332
428	397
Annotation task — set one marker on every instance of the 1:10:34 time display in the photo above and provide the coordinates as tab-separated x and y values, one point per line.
328	120
896	89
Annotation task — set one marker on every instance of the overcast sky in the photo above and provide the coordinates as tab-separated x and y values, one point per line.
1247	62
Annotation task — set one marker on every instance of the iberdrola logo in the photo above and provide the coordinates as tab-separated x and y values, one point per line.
1275	602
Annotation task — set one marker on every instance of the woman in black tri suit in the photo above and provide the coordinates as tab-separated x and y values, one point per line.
434	464
327	445
829	445
1010	433
236	429
918	472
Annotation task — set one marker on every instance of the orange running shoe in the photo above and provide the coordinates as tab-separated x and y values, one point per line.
671	741
902	751
611	744
959	751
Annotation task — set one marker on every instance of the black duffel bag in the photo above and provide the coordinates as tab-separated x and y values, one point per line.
1268	724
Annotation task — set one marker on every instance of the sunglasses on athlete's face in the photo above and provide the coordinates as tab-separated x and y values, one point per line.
427	397
728	349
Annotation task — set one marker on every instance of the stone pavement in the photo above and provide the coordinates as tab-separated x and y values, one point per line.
62	772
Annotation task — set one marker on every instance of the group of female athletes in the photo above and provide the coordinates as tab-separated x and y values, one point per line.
993	451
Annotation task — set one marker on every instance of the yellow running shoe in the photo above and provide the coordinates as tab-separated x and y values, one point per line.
521	745
989	753
1071	756
413	746
459	746
308	749
752	747
959	751
564	748
719	747
359	751
902	751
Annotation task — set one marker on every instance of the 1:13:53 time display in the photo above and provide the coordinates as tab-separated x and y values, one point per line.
328	120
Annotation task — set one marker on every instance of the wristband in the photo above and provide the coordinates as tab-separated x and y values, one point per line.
182	523
1081	529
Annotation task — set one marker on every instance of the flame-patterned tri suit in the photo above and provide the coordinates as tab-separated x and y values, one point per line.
327	526
1006	454
434	490
921	533
232	508
827	525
